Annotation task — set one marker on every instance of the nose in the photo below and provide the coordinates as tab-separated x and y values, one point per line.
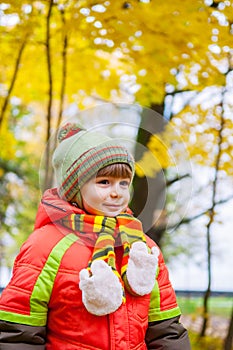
114	194
115	191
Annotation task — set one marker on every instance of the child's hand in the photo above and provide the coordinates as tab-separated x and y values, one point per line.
142	266
102	291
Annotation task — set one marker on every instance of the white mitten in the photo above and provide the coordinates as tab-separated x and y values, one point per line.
102	292
142	266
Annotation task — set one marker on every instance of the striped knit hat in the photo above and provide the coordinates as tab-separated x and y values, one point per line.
80	155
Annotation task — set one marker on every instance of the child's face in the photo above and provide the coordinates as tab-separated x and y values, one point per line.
106	195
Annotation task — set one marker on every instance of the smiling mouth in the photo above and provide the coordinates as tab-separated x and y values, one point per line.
114	206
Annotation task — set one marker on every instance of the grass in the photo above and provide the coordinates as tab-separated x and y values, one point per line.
207	343
218	306
193	306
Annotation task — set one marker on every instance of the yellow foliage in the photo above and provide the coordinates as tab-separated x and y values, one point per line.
7	143
200	130
107	43
156	158
147	40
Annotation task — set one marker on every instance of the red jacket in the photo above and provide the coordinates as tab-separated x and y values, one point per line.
44	301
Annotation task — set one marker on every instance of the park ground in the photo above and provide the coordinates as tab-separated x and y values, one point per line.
220	309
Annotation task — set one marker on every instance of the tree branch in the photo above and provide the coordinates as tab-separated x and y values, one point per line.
50	96
187	220
178	178
13	80
64	71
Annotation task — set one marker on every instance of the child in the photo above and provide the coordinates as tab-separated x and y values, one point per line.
88	277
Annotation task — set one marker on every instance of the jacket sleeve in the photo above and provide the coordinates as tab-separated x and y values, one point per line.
24	302
163	303
165	332
167	335
22	337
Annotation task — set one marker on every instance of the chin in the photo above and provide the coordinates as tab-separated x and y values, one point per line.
111	214
108	213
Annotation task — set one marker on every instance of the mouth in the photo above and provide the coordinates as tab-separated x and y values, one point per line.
112	206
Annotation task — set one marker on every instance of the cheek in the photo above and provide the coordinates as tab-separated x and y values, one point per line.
101	193
95	195
127	197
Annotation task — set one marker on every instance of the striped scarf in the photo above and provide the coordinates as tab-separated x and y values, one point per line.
125	228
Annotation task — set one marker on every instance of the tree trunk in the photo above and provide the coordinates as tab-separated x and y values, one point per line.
149	193
63	73
228	343
211	220
48	168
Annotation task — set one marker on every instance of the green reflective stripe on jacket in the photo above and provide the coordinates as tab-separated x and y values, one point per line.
43	287
155	313
31	320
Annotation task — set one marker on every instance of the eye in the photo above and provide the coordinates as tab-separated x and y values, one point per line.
102	181
125	183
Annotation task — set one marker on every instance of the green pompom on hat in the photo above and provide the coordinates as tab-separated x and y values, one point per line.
80	155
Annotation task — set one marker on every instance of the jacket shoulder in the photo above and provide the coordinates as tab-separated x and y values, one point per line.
38	245
150	242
